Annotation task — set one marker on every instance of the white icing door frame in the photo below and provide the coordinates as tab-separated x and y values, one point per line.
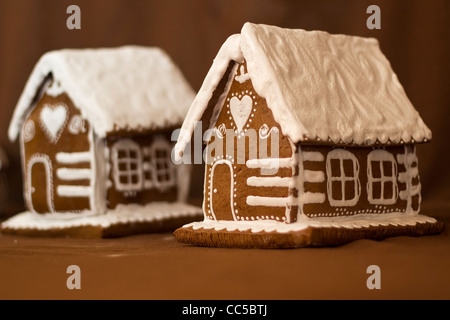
212	190
29	189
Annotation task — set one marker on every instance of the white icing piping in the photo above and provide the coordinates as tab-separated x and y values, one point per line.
312	156
52	120
73	174
73	191
299	180
341	155
73	157
127	146
269	163
77	125
264	131
408	159
243	76
29	131
355	222
100	168
212	190
269	181
313	176
379	157
270	201
29	189
308	176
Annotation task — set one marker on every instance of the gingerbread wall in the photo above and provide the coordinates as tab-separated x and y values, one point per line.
233	189
381	184
56	157
145	168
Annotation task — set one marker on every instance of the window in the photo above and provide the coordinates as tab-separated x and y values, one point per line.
382	178
343	184
127	171
163	168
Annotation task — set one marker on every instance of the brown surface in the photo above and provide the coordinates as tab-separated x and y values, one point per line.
155	266
415	37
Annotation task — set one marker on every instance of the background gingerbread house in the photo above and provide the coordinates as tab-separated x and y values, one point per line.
95	130
344	127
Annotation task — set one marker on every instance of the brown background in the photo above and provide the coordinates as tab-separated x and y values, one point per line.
415	37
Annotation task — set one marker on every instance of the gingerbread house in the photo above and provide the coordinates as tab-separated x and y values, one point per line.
95	127
344	165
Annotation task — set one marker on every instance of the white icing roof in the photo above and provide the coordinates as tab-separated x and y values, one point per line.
317	85
129	87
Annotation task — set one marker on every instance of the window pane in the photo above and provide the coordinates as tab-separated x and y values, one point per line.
387	168
388	192
123	179
133	154
349	190
336	190
122	166
335	168
121	154
348	168
133	165
161	176
376	190
375	166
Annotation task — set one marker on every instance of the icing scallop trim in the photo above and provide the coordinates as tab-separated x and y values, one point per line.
354	222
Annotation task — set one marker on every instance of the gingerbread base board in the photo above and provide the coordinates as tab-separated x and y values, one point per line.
309	236
123	221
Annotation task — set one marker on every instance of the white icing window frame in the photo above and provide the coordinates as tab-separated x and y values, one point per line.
341	155
127	146
161	144
381	156
148	167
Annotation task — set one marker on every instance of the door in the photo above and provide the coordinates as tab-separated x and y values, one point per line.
39	187
221	192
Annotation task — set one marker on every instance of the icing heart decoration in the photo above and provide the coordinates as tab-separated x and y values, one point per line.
240	110
53	120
